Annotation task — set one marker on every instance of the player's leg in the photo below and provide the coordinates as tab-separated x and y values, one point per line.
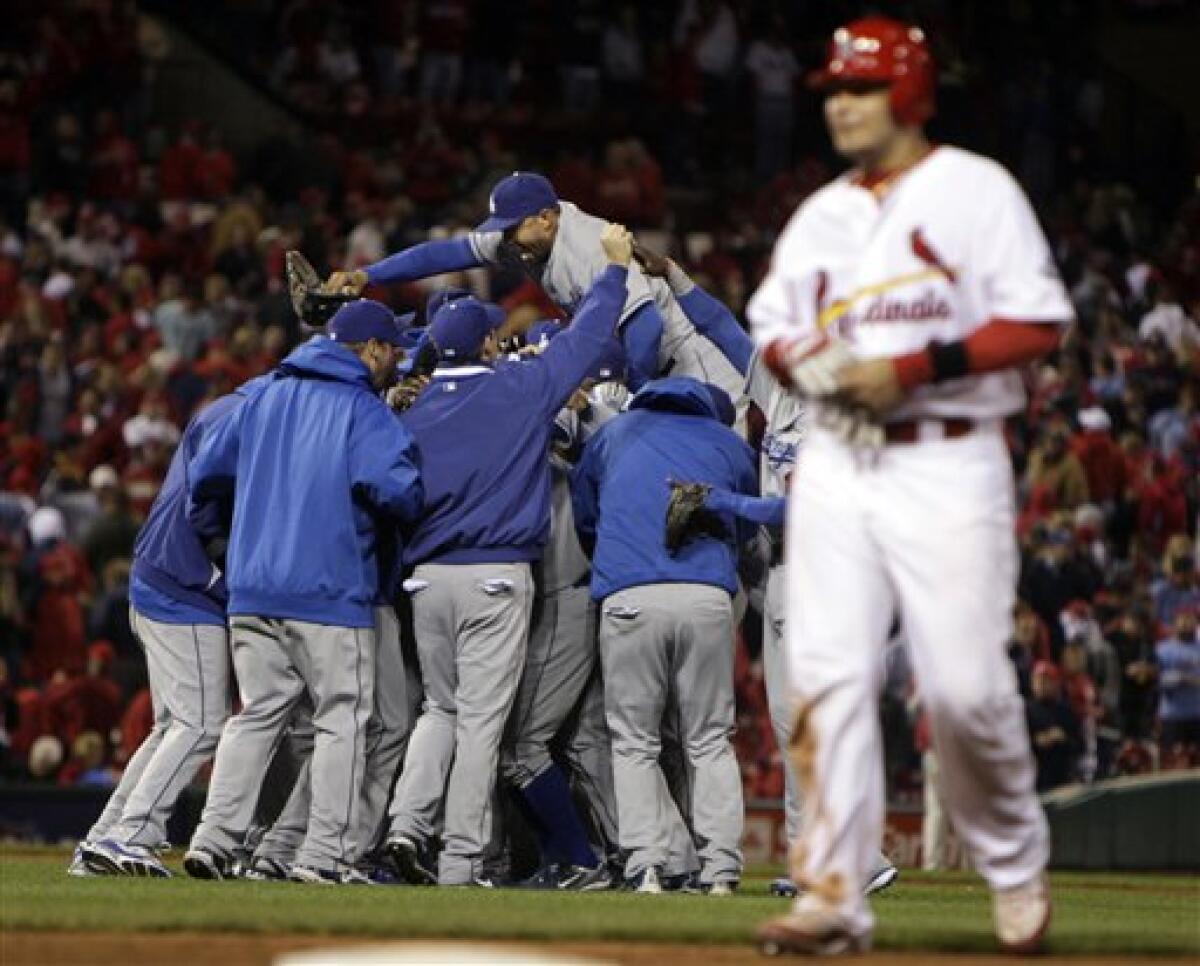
145	752
588	752
421	786
839	607
338	665
952	556
195	659
558	664
391	723
493	603
286	798
781	702
633	650
703	672
270	686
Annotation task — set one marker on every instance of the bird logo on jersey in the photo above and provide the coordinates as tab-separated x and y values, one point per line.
924	251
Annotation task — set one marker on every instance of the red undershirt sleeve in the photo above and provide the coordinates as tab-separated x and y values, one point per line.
999	344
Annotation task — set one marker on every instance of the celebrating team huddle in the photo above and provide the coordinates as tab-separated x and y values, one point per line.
449	578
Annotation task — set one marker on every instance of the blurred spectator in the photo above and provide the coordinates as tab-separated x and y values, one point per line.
1056	474
1053	729
114	529
185	323
1168	321
57	586
624	56
86	764
45	758
1178	659
774	71
1101	458
1179	586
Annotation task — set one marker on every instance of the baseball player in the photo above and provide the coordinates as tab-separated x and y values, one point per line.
666	628
558	245
312	463
177	610
900	300
782	437
559	663
483	432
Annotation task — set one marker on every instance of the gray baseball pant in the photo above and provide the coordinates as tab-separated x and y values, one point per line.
471	623
285	800
588	752
781	701
558	663
188	668
277	662
397	693
655	639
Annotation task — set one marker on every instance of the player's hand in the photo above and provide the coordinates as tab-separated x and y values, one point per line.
872	383
617	243
652	263
346	283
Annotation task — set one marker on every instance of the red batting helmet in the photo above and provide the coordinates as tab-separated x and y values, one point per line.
885	51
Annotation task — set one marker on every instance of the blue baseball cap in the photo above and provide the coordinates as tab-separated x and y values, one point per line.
542	331
721	403
610	367
440	297
363	320
515	198
459	327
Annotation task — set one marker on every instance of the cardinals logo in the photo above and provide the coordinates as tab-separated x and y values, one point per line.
924	251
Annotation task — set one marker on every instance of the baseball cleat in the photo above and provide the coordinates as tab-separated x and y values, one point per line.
110	857
784	888
579	878
725	888
648	881
312	876
812	931
1022	916
881	879
404	852
264	869
79	867
202	864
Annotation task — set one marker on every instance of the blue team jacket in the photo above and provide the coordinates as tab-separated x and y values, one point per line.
621	488
312	462
484	434
173	581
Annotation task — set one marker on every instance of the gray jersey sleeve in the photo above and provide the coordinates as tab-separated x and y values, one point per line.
760	384
486	245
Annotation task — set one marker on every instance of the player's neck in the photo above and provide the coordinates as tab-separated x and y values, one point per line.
877	172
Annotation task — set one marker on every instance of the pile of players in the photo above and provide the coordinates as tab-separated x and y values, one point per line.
547	631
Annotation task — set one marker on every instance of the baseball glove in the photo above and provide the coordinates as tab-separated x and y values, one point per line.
687	518
809	364
313	305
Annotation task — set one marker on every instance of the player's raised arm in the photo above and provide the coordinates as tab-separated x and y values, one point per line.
710	316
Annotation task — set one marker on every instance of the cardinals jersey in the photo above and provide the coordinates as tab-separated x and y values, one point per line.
953	245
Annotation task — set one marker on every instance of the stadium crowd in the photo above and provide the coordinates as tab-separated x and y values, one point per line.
142	275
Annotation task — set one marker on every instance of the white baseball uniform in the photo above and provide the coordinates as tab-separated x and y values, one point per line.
923	528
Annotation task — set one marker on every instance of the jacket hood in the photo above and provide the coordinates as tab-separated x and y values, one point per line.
322	358
686	396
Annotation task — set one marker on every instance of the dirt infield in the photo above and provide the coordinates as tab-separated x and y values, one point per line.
225	949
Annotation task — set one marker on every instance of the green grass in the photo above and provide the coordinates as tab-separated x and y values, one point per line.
951	911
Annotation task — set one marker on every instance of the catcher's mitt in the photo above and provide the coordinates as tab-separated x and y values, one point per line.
313	305
687	518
